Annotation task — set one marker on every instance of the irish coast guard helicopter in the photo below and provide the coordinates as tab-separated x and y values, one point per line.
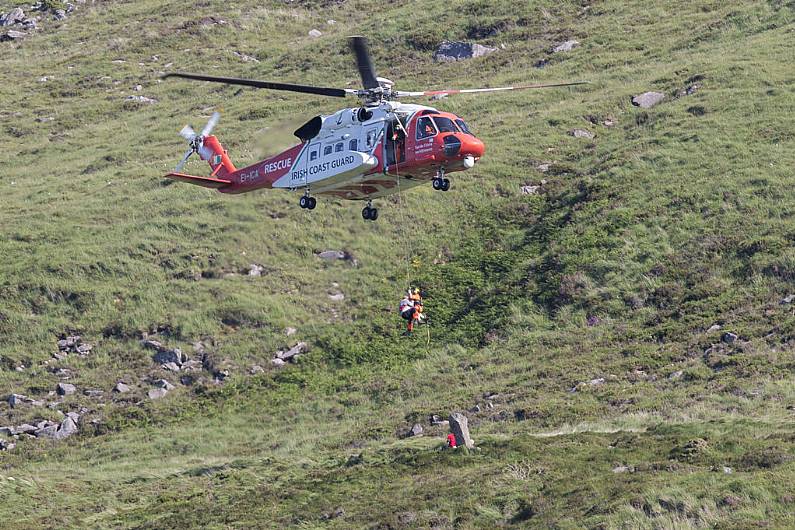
361	153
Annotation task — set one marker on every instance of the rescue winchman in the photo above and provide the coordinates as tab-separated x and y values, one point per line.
411	309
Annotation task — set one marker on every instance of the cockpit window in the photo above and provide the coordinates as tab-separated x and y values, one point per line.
425	128
463	126
445	124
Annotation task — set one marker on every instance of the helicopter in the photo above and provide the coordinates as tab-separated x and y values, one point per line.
370	151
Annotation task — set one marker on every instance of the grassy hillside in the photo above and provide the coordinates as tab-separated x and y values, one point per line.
581	320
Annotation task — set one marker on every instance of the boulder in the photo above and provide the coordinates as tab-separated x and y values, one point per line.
416	430
581	133
18	399
256	369
255	270
65	389
168	356
171	367
157	393
52	430
93	392
151	344
290	331
26	428
713	328
457	51
12	35
141	99
315	33
277	362
336	297
565	46
788	299
648	99
459	427
530	190
121	388
729	338
60	14
12	17
191	365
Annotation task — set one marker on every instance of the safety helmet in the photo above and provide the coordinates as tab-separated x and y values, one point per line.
416	290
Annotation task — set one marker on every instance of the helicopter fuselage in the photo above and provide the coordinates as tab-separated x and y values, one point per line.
360	154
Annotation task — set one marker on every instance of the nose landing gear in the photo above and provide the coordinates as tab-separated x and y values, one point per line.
440	182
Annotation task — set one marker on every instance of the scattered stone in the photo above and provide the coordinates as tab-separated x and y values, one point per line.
593	383
566	46
277	362
437	420
689	90
530	190
59	14
339	512
416	430
676	375
648	99
592	321
257	369
138	88
713	328
151	344
459	427
246	58
731	501
163	357
162	383
315	33
298	349
187	380
331	254
620	469
729	338
65	389
19	399
94	393
581	133
191	365
788	299
52	430
8	431
541	63
475	409
171	367
221	375
609	122
457	51
141	99
255	270
26	428
121	388
336	297
543	168
727	470
290	331
74	415
198	347
6	445
157	393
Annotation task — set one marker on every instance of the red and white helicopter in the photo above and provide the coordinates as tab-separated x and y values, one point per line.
360	153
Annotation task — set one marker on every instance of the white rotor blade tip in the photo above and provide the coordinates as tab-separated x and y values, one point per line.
188	133
211	124
183	161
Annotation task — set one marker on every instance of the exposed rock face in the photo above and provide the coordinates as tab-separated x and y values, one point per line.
12	17
457	51
648	99
566	46
15	400
121	388
52	430
459	427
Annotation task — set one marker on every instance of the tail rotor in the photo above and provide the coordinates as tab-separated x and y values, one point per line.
196	141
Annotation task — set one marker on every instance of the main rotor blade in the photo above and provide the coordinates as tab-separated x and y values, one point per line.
183	161
305	89
211	124
363	62
402	94
188	133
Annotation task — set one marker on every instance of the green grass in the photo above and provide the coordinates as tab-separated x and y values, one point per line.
674	219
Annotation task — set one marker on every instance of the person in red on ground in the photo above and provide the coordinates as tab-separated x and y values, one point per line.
451	443
410	309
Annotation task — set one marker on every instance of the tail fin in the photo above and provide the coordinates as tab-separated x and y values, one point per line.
213	152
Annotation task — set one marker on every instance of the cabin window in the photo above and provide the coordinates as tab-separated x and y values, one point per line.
370	138
327	150
339	147
425	128
313	154
463	126
353	145
445	124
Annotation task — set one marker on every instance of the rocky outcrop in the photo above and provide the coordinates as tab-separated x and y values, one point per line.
648	99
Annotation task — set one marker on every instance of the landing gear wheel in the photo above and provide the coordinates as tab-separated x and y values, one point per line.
437	183
366	213
373	214
303	202
445	185
311	203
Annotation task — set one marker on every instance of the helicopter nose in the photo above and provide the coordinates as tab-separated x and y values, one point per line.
471	146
